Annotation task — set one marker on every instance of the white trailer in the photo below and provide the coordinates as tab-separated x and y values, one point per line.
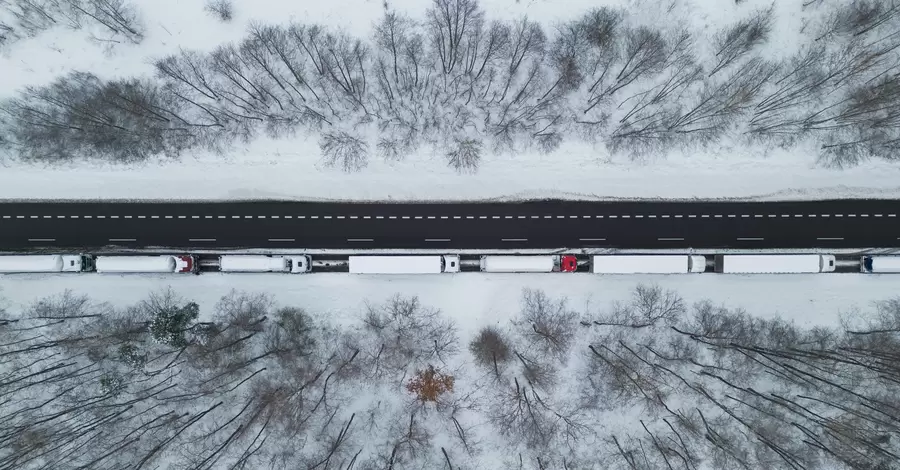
519	264
404	264
146	264
297	264
648	264
774	264
45	263
880	264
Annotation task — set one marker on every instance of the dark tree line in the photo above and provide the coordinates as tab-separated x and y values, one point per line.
647	383
460	85
83	385
111	21
722	388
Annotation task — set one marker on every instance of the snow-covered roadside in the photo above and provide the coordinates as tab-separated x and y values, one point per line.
474	300
289	169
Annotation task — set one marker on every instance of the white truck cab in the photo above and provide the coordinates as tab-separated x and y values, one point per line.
300	264
450	263
76	263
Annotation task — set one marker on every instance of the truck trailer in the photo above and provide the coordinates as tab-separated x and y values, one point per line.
774	264
404	264
297	264
880	264
147	264
648	264
46	263
528	264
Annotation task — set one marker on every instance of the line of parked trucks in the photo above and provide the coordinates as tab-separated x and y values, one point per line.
433	264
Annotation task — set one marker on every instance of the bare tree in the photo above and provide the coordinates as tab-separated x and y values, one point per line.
584	49
464	154
649	113
740	38
866	123
451	23
117	18
490	349
644	53
81	116
406	336
345	150
221	9
408	444
649	305
521	413
858	17
719	104
547	326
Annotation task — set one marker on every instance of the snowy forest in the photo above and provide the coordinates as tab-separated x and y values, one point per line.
646	382
460	85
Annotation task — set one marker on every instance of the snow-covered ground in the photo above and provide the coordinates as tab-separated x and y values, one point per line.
278	169
290	168
475	299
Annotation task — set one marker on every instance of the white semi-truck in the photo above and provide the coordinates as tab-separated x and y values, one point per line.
434	264
147	264
297	264
774	264
528	264
885	264
72	263
648	264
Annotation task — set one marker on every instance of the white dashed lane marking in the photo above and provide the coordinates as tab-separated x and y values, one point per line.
123	239
748	239
360	240
514	239
670	239
437	239
443	217
42	239
281	239
830	238
592	239
201	239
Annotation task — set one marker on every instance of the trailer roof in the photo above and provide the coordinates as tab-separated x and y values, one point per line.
31	263
135	264
395	264
252	263
771	263
639	264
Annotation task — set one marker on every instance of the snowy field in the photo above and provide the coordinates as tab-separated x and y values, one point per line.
292	168
475	299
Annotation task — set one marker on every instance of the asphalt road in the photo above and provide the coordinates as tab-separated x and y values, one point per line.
544	224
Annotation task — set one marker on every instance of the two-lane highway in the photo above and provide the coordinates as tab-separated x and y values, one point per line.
540	224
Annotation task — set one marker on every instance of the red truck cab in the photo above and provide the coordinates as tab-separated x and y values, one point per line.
186	264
